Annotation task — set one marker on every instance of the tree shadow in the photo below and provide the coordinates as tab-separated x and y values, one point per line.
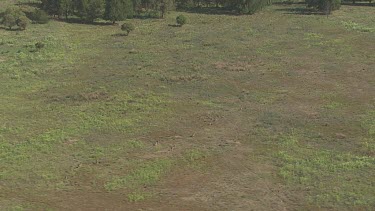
12	29
174	25
349	3
145	17
76	20
301	11
211	11
288	3
119	35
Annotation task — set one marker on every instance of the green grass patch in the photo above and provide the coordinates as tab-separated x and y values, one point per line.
331	178
137	196
351	25
146	174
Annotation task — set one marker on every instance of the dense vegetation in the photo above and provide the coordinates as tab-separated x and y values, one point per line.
119	10
116	10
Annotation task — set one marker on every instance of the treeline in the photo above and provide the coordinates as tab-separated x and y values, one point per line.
239	6
113	10
117	10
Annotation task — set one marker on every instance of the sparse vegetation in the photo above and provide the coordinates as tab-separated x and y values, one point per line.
180	118
136	197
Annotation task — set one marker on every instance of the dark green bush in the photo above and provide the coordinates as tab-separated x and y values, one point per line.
127	27
14	16
181	20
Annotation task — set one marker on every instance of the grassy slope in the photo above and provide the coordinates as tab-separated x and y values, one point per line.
269	111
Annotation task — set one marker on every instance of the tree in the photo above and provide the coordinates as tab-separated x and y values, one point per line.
117	10
66	7
127	27
82	7
95	10
52	7
137	6
164	6
89	10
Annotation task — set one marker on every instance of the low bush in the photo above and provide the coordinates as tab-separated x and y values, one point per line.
181	20
127	27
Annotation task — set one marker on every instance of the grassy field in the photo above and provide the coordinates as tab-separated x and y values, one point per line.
273	111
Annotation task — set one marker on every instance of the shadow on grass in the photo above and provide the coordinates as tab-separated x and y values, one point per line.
174	25
288	3
76	20
301	11
8	29
145	16
119	35
347	3
211	11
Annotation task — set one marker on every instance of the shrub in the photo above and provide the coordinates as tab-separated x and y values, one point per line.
9	20
22	22
181	20
14	16
127	27
39	16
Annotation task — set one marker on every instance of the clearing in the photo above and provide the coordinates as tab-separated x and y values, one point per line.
273	111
